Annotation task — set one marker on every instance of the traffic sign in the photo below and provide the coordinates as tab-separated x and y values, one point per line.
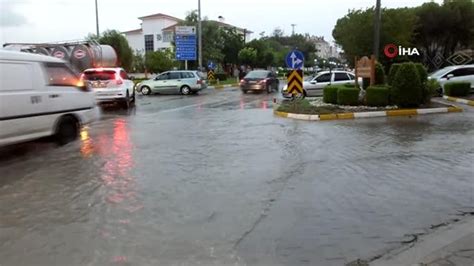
211	65
295	59
295	82
185	41
210	75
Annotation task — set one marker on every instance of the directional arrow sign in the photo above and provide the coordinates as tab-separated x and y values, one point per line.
295	59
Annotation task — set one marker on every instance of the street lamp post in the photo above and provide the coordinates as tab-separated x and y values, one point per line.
97	18
377	21
200	35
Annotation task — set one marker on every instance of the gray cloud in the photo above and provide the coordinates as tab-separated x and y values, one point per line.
8	16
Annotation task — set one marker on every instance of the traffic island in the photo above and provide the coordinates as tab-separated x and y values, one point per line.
465	100
316	110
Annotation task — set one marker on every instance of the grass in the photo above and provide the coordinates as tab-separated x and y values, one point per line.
229	81
304	107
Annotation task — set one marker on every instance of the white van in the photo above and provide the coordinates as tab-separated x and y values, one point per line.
41	96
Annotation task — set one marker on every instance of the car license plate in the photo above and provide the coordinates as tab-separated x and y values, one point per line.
253	82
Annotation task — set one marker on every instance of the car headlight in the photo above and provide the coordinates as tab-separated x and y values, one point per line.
285	88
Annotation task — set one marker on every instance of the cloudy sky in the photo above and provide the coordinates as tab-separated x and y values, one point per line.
60	20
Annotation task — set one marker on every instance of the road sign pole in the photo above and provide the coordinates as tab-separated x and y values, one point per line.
200	35
185	64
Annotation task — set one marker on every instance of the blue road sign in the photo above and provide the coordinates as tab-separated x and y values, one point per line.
211	65
186	47
295	59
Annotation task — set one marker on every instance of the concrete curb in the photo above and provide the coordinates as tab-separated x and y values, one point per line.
430	247
459	100
356	115
218	87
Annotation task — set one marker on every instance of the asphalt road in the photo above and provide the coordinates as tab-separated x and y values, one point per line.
216	179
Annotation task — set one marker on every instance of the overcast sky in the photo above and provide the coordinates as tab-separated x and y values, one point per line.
59	20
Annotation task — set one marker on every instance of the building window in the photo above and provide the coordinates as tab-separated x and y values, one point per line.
167	36
149	44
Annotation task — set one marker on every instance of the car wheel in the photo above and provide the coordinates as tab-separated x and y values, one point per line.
126	102
185	90
146	90
133	96
67	130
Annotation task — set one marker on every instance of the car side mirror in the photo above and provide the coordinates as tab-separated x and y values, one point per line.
449	76
313	82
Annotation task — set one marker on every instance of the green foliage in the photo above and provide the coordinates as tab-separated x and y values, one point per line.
248	56
379	74
433	88
120	45
233	43
303	106
159	61
221	76
423	74
457	88
330	94
138	62
377	95
393	70
407	87
347	96
365	83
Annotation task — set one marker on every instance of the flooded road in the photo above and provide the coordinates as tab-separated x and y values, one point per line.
216	179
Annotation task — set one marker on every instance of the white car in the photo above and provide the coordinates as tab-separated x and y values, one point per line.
41	96
463	73
314	85
110	85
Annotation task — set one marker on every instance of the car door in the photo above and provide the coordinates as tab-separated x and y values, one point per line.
173	83
23	101
317	84
463	74
160	82
341	78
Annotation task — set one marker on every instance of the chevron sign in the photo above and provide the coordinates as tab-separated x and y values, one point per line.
295	82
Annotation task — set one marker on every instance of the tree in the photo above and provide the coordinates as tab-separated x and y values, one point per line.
119	43
233	43
159	61
248	56
138	65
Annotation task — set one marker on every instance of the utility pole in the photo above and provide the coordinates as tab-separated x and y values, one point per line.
97	18
377	22
200	35
293	27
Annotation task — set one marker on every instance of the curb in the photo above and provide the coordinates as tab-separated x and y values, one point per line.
341	116
459	100
218	87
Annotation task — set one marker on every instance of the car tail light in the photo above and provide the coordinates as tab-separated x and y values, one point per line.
263	81
118	79
242	81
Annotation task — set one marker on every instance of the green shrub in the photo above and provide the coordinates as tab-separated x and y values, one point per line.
365	83
221	76
347	96
379	74
330	94
349	85
433	88
407	87
423	74
391	73
377	95
457	88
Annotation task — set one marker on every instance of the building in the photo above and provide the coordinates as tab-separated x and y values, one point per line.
324	49
157	32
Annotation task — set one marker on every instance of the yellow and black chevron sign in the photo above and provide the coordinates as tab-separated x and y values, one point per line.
295	81
210	75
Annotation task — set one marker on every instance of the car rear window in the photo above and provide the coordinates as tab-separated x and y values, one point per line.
60	74
99	75
187	75
257	74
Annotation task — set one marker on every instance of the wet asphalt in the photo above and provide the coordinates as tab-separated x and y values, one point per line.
216	179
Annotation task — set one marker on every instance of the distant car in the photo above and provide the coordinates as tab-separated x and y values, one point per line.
314	85
453	73
41	96
259	80
174	82
110	85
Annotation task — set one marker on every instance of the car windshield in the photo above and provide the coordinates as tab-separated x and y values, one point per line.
257	74
96	75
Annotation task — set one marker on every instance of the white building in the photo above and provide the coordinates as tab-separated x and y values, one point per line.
157	32
324	49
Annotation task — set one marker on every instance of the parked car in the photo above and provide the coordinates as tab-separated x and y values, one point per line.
41	96
174	82
110	85
259	80
454	73
314	85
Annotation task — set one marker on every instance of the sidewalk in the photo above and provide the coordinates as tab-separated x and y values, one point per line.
452	245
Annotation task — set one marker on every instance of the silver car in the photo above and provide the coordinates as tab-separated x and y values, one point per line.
173	82
313	86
